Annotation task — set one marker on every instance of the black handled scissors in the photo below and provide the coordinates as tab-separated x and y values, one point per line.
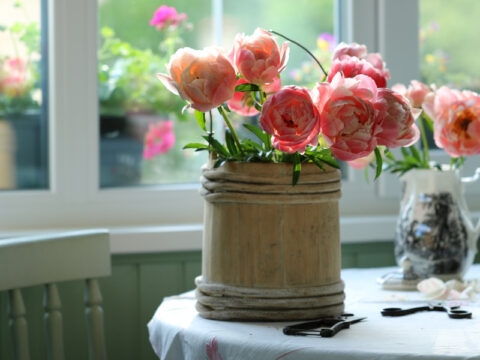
453	312
325	327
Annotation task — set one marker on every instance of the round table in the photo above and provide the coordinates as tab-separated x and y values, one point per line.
178	332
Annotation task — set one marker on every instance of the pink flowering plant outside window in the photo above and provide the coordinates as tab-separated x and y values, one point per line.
349	114
20	71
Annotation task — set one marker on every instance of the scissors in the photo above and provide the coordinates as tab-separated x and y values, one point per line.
453	312
325	327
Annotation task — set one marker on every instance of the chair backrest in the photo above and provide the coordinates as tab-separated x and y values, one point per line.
47	260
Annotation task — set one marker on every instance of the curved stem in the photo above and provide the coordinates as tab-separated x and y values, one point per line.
232	130
303	47
426	154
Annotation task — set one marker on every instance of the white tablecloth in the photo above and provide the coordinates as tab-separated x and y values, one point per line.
178	332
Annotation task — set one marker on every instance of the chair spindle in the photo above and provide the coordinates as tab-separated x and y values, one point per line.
53	318
18	325
94	313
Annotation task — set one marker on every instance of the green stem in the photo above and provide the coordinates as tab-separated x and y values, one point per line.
303	47
262	97
426	155
232	130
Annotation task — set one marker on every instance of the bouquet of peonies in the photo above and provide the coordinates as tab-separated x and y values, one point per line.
348	115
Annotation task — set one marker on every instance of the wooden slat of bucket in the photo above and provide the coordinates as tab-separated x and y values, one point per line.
271	246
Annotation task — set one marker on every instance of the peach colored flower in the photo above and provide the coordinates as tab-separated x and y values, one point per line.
415	93
204	78
242	102
159	139
348	122
258	57
352	49
456	120
291	118
394	115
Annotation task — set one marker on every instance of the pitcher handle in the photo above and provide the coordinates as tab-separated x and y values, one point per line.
471	179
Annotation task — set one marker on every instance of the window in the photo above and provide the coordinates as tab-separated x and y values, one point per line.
92	178
23	95
141	129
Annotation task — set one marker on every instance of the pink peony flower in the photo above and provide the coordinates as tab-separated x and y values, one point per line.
415	93
159	139
394	115
15	78
363	162
348	122
204	78
456	119
258	57
353	49
167	16
242	102
291	118
353	59
352	66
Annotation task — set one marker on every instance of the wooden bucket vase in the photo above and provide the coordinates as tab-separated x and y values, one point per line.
271	251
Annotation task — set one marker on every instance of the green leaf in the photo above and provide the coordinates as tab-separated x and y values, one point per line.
225	106
404	152
217	147
218	163
200	116
230	142
246	87
415	153
379	161
297	167
389	154
196	146
259	133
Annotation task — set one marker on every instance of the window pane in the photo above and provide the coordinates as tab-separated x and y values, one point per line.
142	131
23	115
449	37
135	108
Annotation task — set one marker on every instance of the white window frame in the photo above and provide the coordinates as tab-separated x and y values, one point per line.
167	218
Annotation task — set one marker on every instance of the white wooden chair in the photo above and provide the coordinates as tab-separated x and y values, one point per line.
48	259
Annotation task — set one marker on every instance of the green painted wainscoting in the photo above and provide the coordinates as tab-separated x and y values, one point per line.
137	286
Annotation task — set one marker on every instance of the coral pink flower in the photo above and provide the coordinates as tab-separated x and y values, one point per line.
291	118
415	93
242	102
353	49
348	122
204	78
352	66
258	57
159	139
15	79
395	117
167	16
456	119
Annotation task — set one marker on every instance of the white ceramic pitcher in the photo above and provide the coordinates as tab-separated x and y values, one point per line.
435	235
